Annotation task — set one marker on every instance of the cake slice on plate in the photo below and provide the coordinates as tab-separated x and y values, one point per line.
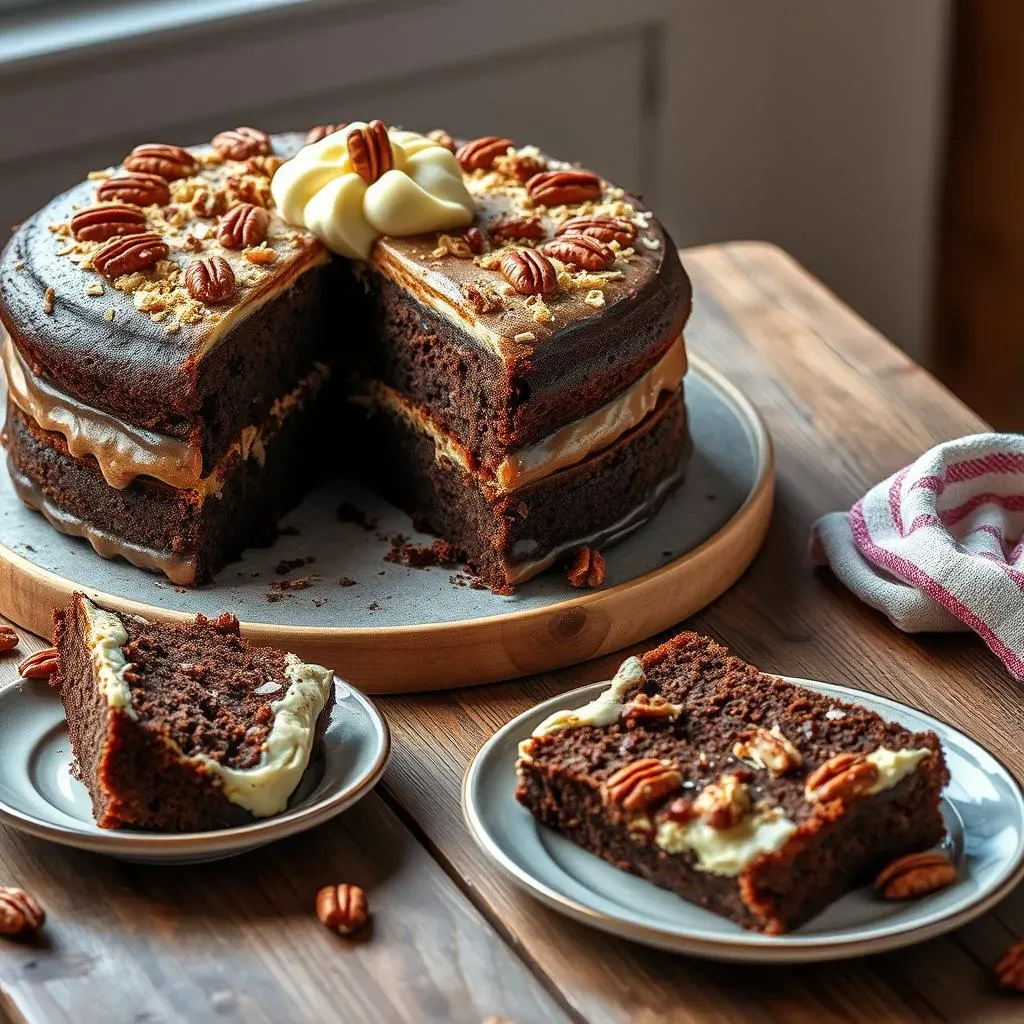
184	728
749	796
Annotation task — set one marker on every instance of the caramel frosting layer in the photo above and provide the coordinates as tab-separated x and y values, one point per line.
565	447
121	451
124	452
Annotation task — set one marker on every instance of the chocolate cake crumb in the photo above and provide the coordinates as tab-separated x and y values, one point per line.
348	513
347	581
286	565
372	606
300	583
273	598
422	556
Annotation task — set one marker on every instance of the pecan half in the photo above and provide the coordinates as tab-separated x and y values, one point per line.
370	151
517	227
1010	968
587	568
242	226
769	750
140	189
210	279
642	707
442	138
19	912
8	639
638	785
169	162
562	188
581	251
40	665
843	777
342	908
604	229
98	223
480	154
242	143
529	272
917	874
321	131
724	803
130	253
474	238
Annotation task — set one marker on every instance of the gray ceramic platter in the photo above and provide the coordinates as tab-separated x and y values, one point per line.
983	808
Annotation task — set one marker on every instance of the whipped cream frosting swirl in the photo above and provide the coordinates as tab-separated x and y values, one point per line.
319	190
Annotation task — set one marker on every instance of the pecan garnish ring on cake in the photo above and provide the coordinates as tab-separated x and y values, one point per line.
529	272
242	143
321	131
98	223
169	162
604	229
563	188
843	777
242	226
210	279
480	154
140	189
581	251
129	253
638	785
370	151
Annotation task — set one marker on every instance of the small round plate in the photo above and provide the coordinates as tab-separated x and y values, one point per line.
39	795
983	808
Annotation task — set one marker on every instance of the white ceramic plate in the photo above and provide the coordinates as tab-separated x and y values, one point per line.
38	794
983	808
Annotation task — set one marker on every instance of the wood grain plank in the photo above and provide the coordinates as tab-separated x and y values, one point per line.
238	940
845	408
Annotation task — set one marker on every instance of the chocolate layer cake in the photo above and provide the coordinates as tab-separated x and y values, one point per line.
751	797
504	329
184	728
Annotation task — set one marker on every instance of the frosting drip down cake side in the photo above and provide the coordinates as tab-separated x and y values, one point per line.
497	336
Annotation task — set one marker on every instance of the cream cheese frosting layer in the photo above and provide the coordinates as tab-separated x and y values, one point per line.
105	635
124	452
565	447
319	189
264	790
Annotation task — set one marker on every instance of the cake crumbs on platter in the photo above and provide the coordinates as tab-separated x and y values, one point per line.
422	556
48	297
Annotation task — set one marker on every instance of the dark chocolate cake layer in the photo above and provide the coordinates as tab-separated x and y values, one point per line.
184	728
185	534
507	539
752	797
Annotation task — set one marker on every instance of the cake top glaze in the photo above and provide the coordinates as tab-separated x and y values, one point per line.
145	267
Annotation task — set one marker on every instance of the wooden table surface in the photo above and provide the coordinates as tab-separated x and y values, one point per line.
451	940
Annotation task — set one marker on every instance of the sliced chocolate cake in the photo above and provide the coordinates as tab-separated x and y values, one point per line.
184	728
747	795
505	328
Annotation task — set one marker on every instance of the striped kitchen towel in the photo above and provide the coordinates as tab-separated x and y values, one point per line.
938	546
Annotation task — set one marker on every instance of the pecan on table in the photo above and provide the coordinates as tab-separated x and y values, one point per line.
40	665
1010	968
343	908
19	912
8	639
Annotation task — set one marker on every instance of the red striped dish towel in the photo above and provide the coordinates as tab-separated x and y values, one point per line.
938	546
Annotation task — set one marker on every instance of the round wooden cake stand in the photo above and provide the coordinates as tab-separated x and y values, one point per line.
491	647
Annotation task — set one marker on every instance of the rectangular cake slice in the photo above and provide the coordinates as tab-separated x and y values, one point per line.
184	728
749	796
